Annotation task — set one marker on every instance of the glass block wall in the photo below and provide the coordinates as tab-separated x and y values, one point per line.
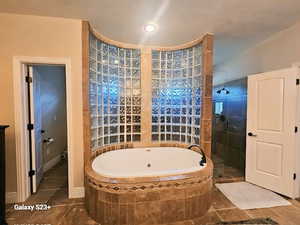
176	95
114	93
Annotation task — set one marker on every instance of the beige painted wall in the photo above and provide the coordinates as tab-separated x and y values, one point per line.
34	36
277	52
53	108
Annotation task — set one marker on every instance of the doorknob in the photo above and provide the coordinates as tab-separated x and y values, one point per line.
251	134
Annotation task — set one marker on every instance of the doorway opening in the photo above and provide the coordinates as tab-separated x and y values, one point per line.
47	127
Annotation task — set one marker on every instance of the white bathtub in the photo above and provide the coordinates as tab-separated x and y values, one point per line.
144	162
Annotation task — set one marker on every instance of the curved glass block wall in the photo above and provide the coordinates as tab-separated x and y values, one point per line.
114	93
176	95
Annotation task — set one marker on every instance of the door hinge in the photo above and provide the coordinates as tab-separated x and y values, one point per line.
31	173
28	79
294	176
297	81
296	129
30	126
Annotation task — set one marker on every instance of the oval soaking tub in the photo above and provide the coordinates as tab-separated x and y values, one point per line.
145	162
152	185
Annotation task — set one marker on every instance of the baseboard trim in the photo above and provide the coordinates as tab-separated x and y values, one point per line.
51	163
76	192
11	197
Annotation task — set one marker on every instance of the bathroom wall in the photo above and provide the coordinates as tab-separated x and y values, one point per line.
229	122
53	104
277	52
34	36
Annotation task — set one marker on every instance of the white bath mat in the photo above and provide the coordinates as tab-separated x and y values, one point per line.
248	196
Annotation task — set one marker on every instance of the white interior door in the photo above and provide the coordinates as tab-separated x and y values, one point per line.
36	134
271	121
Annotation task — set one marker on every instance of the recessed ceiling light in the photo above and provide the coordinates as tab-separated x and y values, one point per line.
150	27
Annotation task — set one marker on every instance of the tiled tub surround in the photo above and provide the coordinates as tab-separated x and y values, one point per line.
148	200
176	95
112	99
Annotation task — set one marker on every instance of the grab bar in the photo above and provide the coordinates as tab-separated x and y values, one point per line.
203	160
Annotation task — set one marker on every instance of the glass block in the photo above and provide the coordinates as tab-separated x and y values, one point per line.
122	129
122	101
114	139
136	119
154	119
136	73
175	129
135	83
128	83
168	137
106	141
155	137
175	137
113	120
128	53
128	138
176	119
135	63
121	52
106	131
155	128
197	121
128	100
135	53
128	110
136	137
136	129
122	138
182	138
136	110
94	144
94	133
136	100
168	119
155	73
155	64
168	128
100	121
100	142
155	55
176	92
136	92
128	62
93	76
100	131
197	69
122	110
106	120
113	130
183	129
128	119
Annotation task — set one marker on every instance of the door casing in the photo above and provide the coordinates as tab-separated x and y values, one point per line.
21	132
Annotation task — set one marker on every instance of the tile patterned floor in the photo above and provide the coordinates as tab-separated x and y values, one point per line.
64	211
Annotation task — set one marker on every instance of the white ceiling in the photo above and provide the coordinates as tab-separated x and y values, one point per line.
237	24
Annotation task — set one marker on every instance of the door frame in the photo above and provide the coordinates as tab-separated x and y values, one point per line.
297	158
21	120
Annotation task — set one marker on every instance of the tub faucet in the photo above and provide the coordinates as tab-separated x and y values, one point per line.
203	160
